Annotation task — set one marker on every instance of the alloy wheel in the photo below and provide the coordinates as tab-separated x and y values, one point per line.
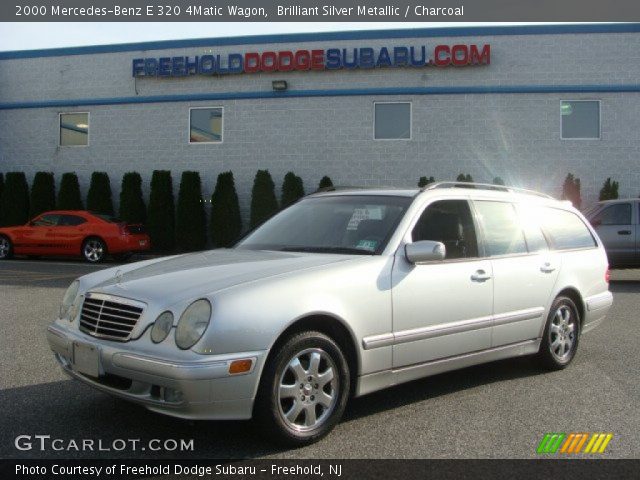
93	250
308	389
562	333
5	247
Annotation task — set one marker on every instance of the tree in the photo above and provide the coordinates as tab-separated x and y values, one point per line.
191	232
15	200
226	223
571	190
161	211
132	207
609	190
292	189
1	188
99	196
43	194
465	178
263	198
498	181
325	182
424	181
69	193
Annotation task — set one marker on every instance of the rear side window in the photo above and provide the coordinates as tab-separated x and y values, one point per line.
502	233
532	230
564	229
617	214
449	222
71	221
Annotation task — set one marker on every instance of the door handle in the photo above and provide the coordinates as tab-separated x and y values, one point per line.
624	232
480	276
547	268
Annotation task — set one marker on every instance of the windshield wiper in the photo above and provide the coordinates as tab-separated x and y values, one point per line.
345	250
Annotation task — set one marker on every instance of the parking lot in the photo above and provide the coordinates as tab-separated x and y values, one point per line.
497	410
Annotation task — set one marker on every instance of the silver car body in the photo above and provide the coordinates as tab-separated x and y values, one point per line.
402	321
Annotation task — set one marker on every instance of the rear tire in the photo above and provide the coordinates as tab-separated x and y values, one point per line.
94	250
303	390
6	247
561	335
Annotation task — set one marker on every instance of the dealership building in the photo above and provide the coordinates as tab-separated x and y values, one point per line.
528	104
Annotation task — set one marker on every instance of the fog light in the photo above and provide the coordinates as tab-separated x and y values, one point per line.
240	366
171	395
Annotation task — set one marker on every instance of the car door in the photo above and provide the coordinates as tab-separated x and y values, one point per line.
524	269
442	308
36	238
69	234
614	224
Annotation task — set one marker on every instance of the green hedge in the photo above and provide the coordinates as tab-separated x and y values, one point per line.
161	211
609	190
99	198
132	207
1	189
190	216
263	198
424	181
325	182
292	189
498	181
571	190
69	194
465	178
226	223
43	194
15	200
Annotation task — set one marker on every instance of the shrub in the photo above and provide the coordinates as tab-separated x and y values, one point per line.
263	198
292	189
571	190
15	200
161	211
69	193
226	224
424	181
190	216
132	207
464	178
43	194
498	181
1	187
99	195
325	182
609	190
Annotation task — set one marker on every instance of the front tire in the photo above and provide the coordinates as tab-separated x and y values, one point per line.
304	389
6	248
94	250
561	335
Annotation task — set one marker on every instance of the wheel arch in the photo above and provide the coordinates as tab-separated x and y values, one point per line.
93	235
575	296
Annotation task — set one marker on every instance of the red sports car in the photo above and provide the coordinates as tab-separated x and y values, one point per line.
74	232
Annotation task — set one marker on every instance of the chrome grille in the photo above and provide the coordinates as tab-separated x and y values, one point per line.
106	316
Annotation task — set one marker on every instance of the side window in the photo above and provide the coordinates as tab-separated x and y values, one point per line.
532	230
617	214
71	221
449	222
47	221
501	228
564	229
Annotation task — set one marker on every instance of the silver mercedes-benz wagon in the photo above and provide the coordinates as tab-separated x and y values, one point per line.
343	293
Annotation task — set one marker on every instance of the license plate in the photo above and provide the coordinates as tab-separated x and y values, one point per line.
86	359
143	243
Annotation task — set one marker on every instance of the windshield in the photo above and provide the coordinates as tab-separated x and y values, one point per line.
350	224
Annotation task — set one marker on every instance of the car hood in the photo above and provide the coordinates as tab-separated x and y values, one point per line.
183	277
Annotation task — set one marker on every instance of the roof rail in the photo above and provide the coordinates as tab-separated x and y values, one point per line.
484	186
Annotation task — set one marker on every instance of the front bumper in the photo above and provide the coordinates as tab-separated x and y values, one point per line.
195	388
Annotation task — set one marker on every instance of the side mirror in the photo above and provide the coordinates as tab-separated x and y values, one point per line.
425	251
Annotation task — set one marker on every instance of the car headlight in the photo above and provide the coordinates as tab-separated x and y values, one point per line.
192	324
69	299
162	327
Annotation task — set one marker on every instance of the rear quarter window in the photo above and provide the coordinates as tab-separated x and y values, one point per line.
564	229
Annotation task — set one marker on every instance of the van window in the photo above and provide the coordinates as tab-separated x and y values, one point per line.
502	233
564	229
449	222
616	214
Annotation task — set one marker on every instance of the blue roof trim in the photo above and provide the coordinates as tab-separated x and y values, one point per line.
194	97
329	36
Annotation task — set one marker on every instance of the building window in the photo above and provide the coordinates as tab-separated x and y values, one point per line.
392	121
580	119
74	129
205	125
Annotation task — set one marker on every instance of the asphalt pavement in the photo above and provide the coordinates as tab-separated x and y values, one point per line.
498	410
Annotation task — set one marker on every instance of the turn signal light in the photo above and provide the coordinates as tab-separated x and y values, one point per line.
607	276
240	366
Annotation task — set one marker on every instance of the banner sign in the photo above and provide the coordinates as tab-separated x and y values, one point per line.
330	59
